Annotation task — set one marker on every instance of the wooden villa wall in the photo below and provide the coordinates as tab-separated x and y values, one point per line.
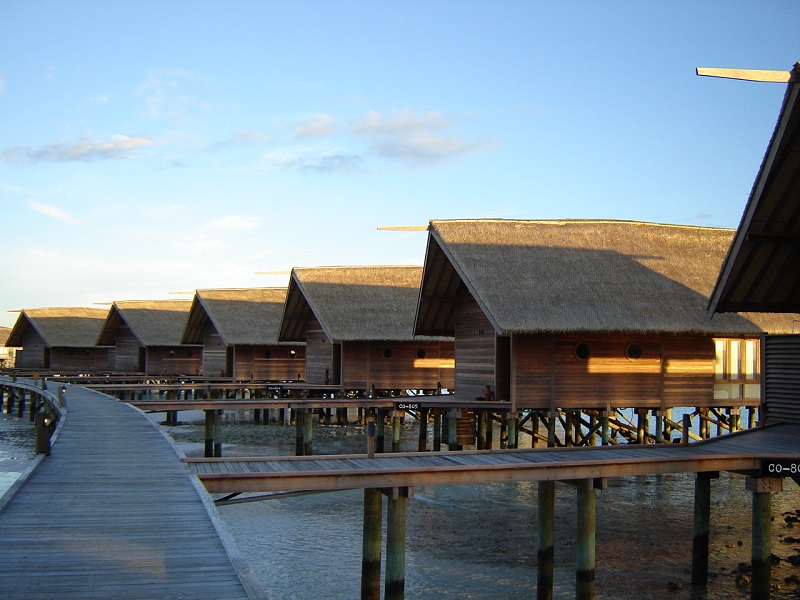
411	365
672	371
269	363
126	353
32	353
319	355
174	360
474	349
215	352
88	360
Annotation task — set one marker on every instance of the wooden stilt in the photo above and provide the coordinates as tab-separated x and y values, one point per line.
397	427
513	421
659	426
422	445
209	434
308	434
545	554
481	443
585	561
606	430
217	433
395	580
437	431
380	428
299	420
687	427
21	404
552	417
452	429
371	546
489	429
761	549
702	520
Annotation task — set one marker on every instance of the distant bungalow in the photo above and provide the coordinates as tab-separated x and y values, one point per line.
146	337
589	314
60	339
238	329
357	324
6	352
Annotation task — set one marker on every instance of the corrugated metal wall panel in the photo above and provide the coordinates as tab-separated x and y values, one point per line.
782	378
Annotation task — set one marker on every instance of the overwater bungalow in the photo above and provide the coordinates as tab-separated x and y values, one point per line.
589	314
60	340
760	271
238	329
7	353
357	324
146	337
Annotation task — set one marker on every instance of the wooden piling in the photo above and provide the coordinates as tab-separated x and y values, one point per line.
380	430
452	429
395	580
308	434
397	427
701	527
545	553
217	433
371	546
437	431
761	548
585	560
512	439
422	445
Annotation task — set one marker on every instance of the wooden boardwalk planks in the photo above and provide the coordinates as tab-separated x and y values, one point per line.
112	513
738	452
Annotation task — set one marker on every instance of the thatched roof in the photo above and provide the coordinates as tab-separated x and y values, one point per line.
760	272
352	303
245	316
4	333
579	276
153	322
68	327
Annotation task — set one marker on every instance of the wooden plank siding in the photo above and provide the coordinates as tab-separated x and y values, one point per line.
91	360
127	358
781	378
688	371
214	352
319	355
474	349
174	360
269	363
397	365
32	354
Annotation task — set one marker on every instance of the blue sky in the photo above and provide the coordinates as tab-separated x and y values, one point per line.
148	148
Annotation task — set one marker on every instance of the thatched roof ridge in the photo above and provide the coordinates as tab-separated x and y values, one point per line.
242	316
60	327
556	276
153	322
354	303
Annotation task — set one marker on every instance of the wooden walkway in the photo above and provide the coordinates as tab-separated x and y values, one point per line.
746	451
112	513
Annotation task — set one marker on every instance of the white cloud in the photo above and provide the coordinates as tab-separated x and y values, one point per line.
51	211
316	126
86	149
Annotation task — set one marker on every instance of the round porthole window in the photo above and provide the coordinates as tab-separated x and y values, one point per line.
292	354
267	354
422	353
583	351
633	351
387	353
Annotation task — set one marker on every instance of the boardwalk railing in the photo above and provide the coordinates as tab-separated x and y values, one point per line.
46	409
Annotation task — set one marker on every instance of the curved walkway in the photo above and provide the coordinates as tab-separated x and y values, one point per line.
113	513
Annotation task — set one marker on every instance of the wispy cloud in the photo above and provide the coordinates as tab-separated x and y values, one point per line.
86	149
2	85
406	136
54	212
166	96
416	137
316	126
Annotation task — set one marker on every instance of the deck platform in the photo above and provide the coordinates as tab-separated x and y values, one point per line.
112	513
745	452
